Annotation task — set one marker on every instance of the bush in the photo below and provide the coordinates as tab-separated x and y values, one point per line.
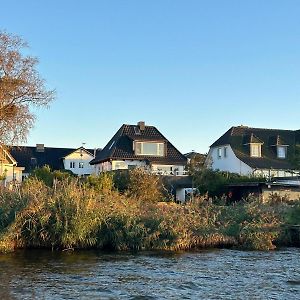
144	186
75	214
47	176
102	183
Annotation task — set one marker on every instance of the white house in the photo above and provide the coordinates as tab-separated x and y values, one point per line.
9	171
74	160
78	161
141	146
255	152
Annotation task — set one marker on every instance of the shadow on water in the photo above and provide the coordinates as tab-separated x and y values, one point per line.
209	274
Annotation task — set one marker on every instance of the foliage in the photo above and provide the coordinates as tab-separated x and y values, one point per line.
215	182
103	182
144	185
20	89
295	157
76	214
293	215
47	176
121	180
196	163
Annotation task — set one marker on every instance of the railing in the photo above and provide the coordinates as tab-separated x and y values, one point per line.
170	173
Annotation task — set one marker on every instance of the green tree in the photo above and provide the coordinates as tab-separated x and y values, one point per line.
144	186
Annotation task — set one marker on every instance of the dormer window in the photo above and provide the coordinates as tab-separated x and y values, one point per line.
149	148
255	143
255	150
281	151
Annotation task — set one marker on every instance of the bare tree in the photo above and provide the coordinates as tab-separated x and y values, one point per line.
21	89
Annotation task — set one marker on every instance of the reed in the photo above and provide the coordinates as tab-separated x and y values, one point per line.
73	214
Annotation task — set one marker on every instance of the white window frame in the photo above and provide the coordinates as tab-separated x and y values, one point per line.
72	164
253	148
225	152
81	165
219	153
281	155
158	151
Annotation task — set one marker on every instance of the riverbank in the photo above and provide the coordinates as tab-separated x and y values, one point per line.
74	215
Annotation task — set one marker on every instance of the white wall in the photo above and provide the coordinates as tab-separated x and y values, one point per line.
125	164
230	163
102	167
180	195
79	156
11	173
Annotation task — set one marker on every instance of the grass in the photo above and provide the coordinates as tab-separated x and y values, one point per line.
72	214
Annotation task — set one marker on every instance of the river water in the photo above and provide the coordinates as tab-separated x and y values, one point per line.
216	274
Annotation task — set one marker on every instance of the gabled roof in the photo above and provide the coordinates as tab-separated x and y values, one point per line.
87	151
121	146
6	157
30	158
240	137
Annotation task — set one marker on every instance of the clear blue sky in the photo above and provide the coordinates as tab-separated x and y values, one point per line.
191	68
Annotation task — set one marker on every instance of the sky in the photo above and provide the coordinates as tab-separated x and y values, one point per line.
191	68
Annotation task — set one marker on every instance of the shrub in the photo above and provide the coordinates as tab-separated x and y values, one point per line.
144	186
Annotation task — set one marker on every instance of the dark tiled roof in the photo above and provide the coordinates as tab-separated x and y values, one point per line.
121	146
251	138
30	158
238	138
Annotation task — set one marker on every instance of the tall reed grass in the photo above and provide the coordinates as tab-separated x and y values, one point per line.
73	214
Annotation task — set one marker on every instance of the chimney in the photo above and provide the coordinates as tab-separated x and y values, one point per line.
141	125
40	148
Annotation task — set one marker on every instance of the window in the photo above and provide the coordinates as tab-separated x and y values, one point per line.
81	165
120	165
255	150
225	151
219	152
281	151
149	148
72	164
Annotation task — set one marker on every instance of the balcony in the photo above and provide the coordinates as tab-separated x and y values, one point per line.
170	173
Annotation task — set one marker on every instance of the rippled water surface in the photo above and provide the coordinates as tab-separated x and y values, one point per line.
218	274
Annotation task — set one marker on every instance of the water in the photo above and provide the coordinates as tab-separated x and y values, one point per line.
217	274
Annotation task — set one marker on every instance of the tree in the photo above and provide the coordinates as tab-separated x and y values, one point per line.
196	162
144	186
21	88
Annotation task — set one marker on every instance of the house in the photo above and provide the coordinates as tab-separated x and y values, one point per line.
74	160
140	146
143	146
256	152
9	169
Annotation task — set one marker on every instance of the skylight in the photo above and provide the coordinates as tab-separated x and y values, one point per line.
113	142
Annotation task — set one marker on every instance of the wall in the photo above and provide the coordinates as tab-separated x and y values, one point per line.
103	167
126	164
289	193
12	173
230	163
79	156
